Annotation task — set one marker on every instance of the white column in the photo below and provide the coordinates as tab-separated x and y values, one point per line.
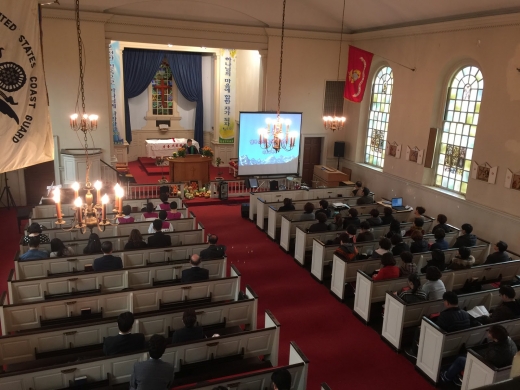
262	80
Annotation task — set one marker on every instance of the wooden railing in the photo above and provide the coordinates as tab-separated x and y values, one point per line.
238	187
145	191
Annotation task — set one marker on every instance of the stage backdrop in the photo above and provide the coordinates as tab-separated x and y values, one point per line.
25	127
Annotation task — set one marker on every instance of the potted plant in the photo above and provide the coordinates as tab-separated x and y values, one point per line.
218	161
207	152
181	152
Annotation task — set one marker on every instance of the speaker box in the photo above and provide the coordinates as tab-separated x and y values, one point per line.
273	185
339	149
223	190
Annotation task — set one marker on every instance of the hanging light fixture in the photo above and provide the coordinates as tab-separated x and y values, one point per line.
336	122
276	134
87	215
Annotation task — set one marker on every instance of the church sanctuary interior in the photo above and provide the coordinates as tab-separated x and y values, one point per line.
253	195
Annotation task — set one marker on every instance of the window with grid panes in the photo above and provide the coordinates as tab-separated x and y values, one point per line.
379	117
162	97
459	129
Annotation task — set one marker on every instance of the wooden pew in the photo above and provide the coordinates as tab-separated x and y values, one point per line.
241	347
80	283
24	346
435	344
195	236
61	311
400	315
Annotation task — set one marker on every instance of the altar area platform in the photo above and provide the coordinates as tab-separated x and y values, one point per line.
145	171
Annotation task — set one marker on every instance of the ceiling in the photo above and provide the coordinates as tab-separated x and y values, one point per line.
310	15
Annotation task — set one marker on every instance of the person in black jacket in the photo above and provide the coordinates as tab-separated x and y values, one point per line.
107	262
190	332
213	251
135	241
442	219
366	234
366	198
375	219
196	272
500	255
399	245
466	239
440	242
324	208
321	226
287	205
509	308
419	244
125	341
387	218
352	219
159	239
395	228
281	379
438	260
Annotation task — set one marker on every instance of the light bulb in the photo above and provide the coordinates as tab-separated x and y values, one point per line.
120	192
93	117
104	199
74	117
78	202
98	185
57	195
75	186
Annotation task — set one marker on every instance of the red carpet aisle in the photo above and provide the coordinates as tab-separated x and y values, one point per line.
9	239
342	351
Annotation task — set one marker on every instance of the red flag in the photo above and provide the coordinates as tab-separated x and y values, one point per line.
359	62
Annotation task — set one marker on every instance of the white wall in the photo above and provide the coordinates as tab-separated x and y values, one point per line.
248	79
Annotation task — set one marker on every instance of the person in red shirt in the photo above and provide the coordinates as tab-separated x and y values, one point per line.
127	218
389	270
173	213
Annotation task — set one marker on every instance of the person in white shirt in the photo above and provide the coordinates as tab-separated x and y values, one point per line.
167	226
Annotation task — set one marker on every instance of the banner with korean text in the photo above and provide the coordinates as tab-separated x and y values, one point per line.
227	77
25	127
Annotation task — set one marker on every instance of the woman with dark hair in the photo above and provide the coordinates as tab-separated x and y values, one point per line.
442	225
399	245
408	267
308	212
419	244
384	247
414	293
287	205
135	241
34	230
126	218
149	214
440	242
395	228
463	260
389	270
165	205
387	217
434	287
352	219
375	219
58	249
93	245
338	223
438	260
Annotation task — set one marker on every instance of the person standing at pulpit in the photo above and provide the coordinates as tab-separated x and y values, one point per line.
190	148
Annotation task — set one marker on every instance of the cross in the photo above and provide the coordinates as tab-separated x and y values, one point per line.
162	86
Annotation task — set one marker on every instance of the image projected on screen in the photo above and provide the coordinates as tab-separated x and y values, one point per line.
260	153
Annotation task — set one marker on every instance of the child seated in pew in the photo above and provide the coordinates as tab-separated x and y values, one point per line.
442	219
352	219
347	250
308	212
440	242
384	247
365	234
190	332
419	244
173	214
58	249
413	293
127	218
434	286
509	309
500	352
395	228
418	224
463	260
125	341
438	260
399	245
375	219
389	270
149	214
165	205
408	267
387	217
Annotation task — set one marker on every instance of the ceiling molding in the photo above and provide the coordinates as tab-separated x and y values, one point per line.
51	13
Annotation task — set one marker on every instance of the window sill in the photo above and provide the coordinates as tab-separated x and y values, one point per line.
447	192
371	167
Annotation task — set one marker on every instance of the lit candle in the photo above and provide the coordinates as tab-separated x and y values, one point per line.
104	201
57	199
78	203
75	187
119	194
98	185
93	121
73	120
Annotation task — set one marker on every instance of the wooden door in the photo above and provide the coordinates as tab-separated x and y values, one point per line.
37	178
311	157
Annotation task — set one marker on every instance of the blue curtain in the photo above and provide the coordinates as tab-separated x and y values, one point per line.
139	68
187	73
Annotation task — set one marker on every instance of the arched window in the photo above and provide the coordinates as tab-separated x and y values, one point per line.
379	116
459	129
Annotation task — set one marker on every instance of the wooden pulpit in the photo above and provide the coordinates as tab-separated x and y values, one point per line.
193	167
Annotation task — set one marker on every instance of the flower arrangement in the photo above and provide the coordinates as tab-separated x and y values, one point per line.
207	152
181	152
191	190
175	155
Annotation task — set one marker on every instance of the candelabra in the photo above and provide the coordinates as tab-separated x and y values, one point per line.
333	122
277	138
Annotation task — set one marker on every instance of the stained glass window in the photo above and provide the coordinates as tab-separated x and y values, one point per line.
378	117
162	99
459	130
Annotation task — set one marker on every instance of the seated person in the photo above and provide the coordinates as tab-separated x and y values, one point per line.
453	318
190	148
159	239
440	243
308	212
389	270
419	244
500	352
107	262
352	219
321	225
165	205
34	252
135	241
384	247
126	218
418	213
196	272
463	260
395	228
466	238
58	249
414	293
499	256
34	230
337	224
173	214
366	198
149	214
153	373
434	286
190	332
93	245
347	250
399	245
166	226
365	234
213	251
281	379
375	219
125	341
387	217
507	310
287	205
408	267
324	208
358	189
438	260
418	224
442	219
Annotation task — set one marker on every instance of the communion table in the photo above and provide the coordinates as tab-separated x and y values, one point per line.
165	147
190	168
